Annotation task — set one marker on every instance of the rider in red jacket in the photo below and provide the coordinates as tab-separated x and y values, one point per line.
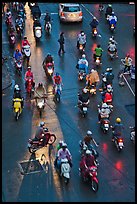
108	95
28	75
25	42
57	80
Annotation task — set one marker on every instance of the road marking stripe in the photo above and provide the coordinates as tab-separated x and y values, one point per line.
129	85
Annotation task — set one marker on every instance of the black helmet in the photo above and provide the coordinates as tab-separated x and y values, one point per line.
98	45
25	38
48	54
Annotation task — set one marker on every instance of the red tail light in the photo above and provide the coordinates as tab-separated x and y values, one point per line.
62	14
80	14
120	140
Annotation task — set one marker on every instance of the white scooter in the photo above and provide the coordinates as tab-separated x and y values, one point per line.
48	28
26	52
38	32
65	170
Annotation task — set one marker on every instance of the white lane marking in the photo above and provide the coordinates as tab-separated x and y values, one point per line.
89	12
50	13
129	85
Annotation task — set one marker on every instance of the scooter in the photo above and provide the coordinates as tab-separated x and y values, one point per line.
57	93
18	66
26	52
81	48
97	61
49	69
104	124
83	108
119	141
92	177
17	109
81	74
94	32
132	134
38	32
48	28
12	39
19	30
40	103
34	145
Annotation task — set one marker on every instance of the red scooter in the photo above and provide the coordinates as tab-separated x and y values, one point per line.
49	69
92	177
29	86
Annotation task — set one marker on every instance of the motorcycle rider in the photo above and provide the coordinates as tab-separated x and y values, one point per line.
25	42
112	48
48	59
83	97
92	78
87	161
98	52
63	153
8	13
104	112
19	21
108	10
59	146
112	19
117	129
17	55
81	39
94	23
29	74
57	80
47	18
40	91
128	63
111	39
88	140
109	76
17	94
107	96
83	64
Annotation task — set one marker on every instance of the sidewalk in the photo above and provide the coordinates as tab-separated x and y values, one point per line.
6	78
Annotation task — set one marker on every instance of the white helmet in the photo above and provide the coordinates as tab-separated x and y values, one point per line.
64	145
42	124
83	56
16	86
85	90
88	151
92	70
89	133
104	105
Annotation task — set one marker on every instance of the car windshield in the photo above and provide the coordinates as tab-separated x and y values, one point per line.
71	9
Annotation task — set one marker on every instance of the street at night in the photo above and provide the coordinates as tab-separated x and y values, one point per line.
32	177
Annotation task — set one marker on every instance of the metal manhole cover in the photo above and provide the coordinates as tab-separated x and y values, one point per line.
30	166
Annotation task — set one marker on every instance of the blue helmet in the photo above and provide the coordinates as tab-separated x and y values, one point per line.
57	74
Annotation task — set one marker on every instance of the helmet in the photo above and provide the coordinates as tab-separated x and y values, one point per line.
112	12
109	5
98	45
16	86
64	145
40	84
46	129
29	67
85	90
61	142
108	69
88	151
94	17
17	50
89	133
118	120
42	124
92	70
57	74
82	33
25	38
83	56
19	16
109	88
104	105
48	54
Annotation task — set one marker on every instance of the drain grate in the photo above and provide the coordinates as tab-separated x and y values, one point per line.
30	166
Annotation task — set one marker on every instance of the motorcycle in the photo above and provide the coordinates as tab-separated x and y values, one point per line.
92	177
8	20
84	147
48	28
64	170
49	69
81	48
26	52
18	66
83	108
38	32
97	61
132	134
17	108
119	141
104	124
34	145
112	25
91	89
19	30
57	92
81	75
29	88
94	32
12	39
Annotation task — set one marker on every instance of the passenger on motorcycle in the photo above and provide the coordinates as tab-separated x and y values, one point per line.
63	153
83	97
92	78
88	140
57	80
112	48
29	74
109	76
128	63
107	96
112	19
48	59
108	10
87	161
104	112
117	129
83	64
17	55
94	23
81	39
17	94
98	52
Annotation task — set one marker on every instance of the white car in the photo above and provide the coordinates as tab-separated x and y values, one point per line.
70	12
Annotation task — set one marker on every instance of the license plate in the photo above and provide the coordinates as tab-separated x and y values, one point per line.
106	125
84	108
120	143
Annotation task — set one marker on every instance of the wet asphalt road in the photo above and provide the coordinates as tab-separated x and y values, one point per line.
116	172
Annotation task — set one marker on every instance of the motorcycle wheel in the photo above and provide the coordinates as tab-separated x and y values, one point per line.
52	139
94	186
40	113
17	116
66	180
57	98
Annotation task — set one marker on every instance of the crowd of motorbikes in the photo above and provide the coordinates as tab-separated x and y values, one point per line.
105	123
